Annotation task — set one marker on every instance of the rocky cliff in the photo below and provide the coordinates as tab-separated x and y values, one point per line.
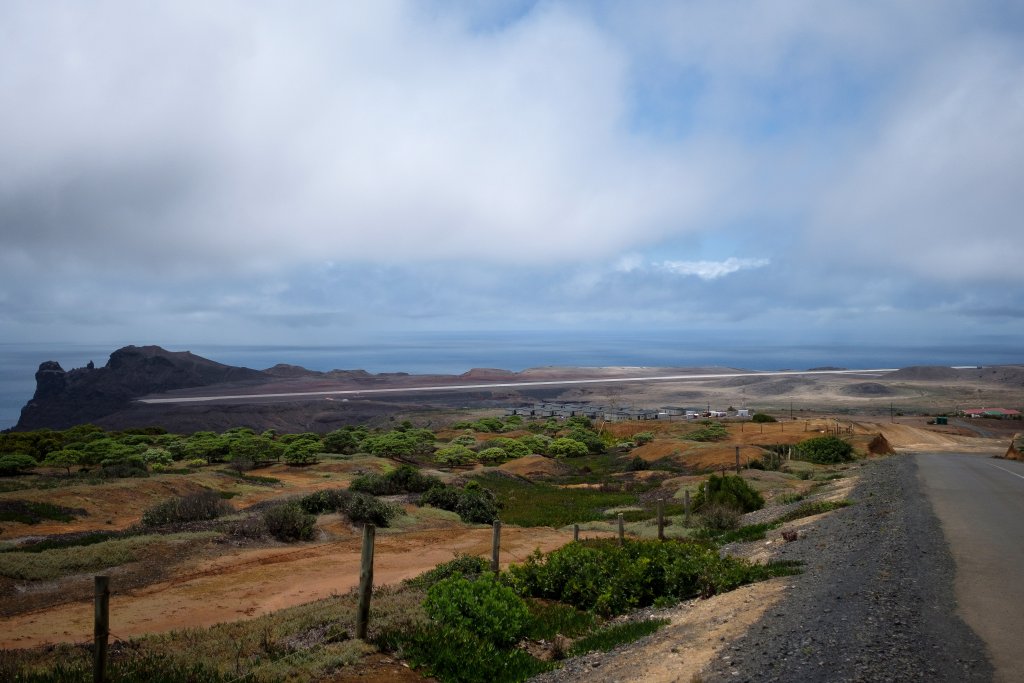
66	398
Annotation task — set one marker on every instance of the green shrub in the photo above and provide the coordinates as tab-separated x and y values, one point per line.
455	655
762	417
455	455
403	479
825	450
565	447
15	463
610	579
360	508
493	455
463	566
473	503
642	438
482	606
711	431
193	507
732	491
289	522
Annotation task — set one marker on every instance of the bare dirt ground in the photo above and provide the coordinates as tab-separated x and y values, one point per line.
252	582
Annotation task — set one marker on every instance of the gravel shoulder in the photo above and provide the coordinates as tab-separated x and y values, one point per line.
875	603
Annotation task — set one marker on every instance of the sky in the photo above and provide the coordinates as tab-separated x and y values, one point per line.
813	171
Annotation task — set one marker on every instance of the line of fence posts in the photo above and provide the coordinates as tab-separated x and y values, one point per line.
101	623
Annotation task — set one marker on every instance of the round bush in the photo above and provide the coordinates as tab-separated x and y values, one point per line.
826	450
482	606
729	490
289	522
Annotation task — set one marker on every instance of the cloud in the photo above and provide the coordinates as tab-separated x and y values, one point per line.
712	270
242	136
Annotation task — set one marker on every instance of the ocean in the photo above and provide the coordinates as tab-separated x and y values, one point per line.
455	353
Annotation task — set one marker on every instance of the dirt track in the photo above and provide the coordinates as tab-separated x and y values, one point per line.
250	583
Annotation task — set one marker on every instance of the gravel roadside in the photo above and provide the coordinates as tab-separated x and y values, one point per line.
875	601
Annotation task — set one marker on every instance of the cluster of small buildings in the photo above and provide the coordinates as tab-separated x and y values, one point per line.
1001	413
619	414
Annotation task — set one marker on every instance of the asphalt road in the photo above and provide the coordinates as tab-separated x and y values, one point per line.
980	504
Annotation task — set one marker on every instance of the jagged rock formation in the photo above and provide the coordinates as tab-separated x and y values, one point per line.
66	398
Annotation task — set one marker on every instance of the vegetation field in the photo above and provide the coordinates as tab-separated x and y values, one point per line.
232	555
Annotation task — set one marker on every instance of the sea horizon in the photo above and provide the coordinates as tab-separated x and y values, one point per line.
456	353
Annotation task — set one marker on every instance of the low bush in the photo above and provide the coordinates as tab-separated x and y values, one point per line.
825	450
643	437
193	507
360	508
729	490
473	503
289	522
491	611
762	417
455	454
403	479
719	517
711	431
458	656
29	512
463	566
15	463
610	579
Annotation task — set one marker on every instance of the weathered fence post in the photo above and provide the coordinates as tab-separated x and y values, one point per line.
101	629
661	519
365	582
686	506
496	547
622	530
575	532
737	460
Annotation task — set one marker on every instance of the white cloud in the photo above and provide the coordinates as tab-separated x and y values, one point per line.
248	136
712	270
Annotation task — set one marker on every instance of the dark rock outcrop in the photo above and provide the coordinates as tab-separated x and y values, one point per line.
66	398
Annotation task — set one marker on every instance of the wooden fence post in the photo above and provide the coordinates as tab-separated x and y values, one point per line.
365	582
575	532
101	629
496	546
622	530
661	519
737	460
686	506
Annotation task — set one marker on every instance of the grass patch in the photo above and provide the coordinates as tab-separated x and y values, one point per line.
610	637
52	543
28	512
751	532
250	478
811	509
57	562
549	619
538	504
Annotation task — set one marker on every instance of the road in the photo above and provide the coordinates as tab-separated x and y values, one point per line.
980	504
504	385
